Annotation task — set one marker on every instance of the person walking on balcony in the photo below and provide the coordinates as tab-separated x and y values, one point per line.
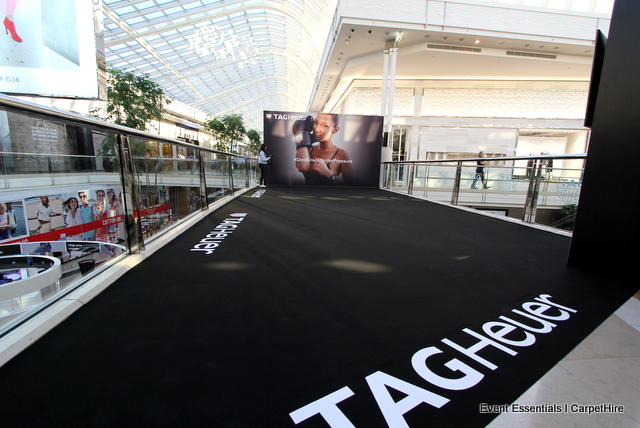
480	172
263	161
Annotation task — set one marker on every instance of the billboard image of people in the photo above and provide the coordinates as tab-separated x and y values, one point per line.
323	149
95	214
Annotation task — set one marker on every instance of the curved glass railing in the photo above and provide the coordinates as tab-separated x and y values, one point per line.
89	193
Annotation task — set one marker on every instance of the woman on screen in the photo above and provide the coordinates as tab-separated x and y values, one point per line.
74	217
323	163
115	209
45	212
100	212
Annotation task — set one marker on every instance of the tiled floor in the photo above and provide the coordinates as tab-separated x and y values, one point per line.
603	369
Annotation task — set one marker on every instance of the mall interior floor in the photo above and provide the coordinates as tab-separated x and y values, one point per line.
604	368
306	292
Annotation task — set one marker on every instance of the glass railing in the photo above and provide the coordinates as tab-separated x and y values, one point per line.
535	189
89	193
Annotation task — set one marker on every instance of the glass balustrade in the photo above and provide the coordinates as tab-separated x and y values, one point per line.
88	193
535	189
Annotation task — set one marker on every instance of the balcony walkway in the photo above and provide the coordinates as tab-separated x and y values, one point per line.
315	304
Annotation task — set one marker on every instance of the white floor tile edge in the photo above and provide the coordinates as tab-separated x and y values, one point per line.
588	381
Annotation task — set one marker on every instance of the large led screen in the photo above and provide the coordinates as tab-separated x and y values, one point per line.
322	149
48	48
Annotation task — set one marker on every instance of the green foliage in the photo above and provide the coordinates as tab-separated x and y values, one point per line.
133	101
568	210
255	141
567	214
227	131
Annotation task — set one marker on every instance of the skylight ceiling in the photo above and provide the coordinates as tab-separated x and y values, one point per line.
235	56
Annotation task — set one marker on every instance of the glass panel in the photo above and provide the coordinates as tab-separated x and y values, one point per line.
61	192
167	183
239	170
508	184
216	171
64	198
437	181
254	173
399	143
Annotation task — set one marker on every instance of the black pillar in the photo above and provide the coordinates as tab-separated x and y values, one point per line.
605	237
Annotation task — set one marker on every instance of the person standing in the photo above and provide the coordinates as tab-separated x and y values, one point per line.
5	223
74	217
45	212
13	217
101	212
480	172
115	209
263	160
87	213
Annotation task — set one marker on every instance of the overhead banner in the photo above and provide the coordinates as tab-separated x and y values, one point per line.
323	149
48	48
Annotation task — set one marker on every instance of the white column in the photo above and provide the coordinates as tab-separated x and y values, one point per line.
385	82
392	85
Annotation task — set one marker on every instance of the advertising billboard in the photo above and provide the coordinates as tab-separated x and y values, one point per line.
323	149
79	214
48	48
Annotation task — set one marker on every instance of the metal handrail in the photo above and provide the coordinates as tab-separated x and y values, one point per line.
492	159
129	176
535	176
25	106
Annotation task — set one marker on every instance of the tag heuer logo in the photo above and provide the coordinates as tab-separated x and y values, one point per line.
507	184
569	190
268	116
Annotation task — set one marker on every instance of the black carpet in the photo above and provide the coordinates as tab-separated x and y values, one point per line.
316	291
